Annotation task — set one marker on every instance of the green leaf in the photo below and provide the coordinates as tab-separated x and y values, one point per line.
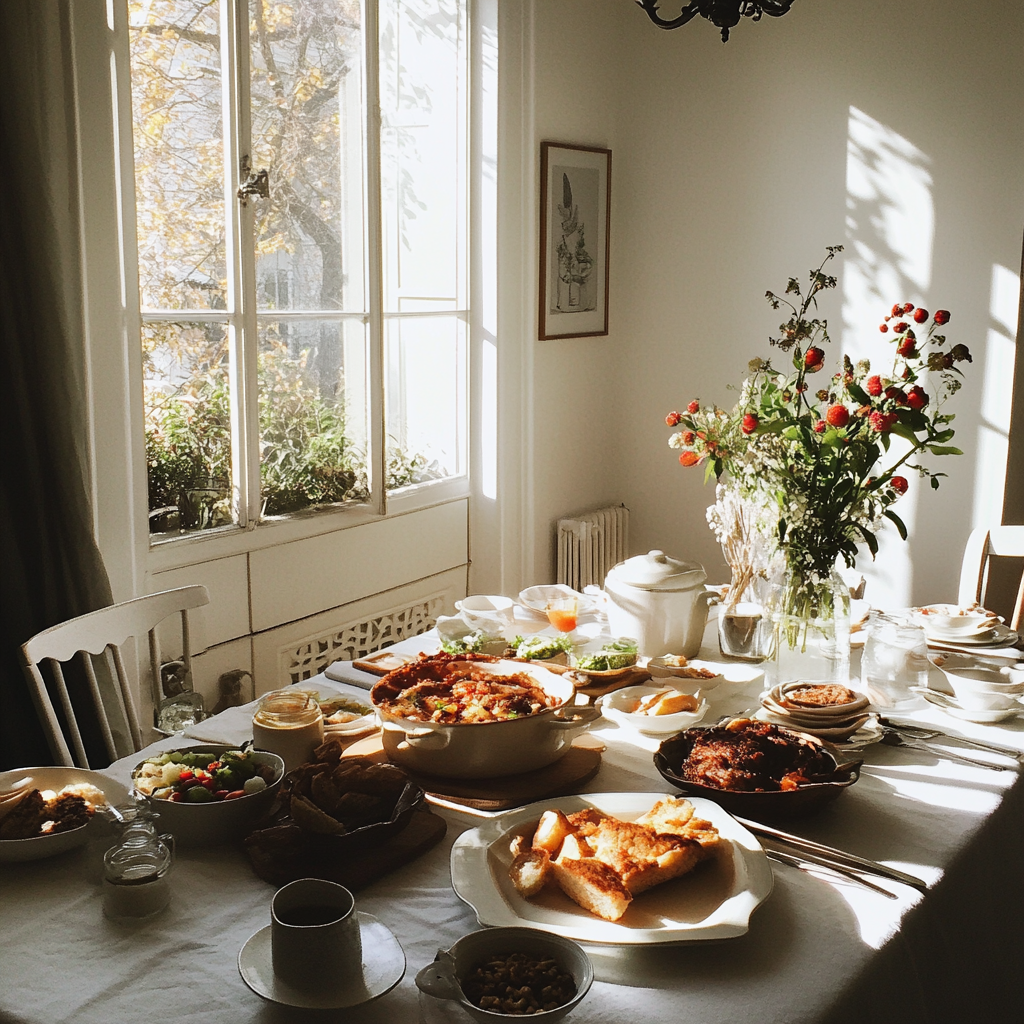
935	483
904	431
900	525
857	393
939	449
869	538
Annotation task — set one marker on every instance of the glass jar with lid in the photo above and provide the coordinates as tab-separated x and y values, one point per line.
288	723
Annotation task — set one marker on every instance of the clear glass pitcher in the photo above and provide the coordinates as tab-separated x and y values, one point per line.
895	658
135	872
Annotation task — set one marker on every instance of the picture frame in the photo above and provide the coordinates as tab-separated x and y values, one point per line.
575	215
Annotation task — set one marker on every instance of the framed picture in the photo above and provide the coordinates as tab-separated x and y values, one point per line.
575	204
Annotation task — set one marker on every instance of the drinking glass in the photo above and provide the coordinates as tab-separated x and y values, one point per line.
895	658
561	613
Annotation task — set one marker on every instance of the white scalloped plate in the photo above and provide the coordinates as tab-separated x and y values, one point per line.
714	901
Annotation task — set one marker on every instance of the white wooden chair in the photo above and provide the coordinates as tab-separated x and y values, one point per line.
95	633
974	571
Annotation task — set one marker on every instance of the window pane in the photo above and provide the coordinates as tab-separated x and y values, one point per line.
425	399
188	426
422	161
179	174
312	378
307	131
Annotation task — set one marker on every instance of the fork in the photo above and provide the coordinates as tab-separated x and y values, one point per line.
917	732
891	738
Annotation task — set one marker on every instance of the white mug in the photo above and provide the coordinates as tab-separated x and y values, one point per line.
314	934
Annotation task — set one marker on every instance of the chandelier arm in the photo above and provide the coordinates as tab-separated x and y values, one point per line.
774	8
650	7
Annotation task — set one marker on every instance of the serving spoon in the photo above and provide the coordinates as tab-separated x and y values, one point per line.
891	738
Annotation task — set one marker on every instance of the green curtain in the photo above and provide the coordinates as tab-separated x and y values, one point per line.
50	566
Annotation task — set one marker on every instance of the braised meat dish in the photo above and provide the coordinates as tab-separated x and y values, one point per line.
455	689
753	757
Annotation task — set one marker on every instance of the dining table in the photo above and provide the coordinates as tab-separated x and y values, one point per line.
821	949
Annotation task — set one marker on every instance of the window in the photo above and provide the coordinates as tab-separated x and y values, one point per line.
306	349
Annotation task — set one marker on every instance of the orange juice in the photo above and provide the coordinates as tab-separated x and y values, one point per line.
563	619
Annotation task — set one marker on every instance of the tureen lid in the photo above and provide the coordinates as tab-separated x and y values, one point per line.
658	571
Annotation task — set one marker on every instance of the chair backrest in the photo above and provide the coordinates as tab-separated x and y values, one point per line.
982	545
95	633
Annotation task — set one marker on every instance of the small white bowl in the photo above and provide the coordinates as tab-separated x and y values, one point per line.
617	707
480	609
442	979
950	619
979	686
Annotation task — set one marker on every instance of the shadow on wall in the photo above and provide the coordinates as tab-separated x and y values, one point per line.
890	229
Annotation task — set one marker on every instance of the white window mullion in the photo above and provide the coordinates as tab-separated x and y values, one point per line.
376	441
241	265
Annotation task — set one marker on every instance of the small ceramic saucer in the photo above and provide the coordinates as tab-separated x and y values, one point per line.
383	969
950	706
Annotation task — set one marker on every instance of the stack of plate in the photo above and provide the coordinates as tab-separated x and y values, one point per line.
949	626
827	711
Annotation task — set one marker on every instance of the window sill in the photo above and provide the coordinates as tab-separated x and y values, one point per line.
224	542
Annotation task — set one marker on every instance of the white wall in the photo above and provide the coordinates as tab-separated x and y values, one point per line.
730	173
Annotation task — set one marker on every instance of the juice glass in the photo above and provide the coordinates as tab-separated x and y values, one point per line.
561	613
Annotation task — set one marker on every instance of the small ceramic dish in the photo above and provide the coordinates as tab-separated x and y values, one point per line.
451	969
618	707
952	620
483	609
952	707
979	685
684	676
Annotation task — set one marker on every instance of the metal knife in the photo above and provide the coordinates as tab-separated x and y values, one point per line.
850	860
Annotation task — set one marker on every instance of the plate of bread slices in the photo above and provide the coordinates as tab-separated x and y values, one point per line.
614	868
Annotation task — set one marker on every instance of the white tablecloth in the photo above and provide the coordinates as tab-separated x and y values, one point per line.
819	950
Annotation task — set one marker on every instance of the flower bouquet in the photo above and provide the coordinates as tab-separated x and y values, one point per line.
820	463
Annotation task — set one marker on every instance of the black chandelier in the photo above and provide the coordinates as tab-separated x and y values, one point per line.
724	14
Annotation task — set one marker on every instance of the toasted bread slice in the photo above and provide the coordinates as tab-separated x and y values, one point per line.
530	872
575	847
583	821
552	828
667	814
674	816
641	856
594	886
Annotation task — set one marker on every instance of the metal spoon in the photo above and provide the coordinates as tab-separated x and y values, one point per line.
918	732
891	738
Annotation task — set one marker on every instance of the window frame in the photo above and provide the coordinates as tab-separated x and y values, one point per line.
251	531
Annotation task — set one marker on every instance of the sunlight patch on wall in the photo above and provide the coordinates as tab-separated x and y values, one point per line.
997	360
890	224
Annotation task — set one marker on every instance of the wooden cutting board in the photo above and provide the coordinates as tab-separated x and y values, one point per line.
565	776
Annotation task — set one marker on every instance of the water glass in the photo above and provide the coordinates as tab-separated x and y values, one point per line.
895	658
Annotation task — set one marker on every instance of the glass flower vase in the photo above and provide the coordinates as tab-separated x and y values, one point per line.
810	629
744	630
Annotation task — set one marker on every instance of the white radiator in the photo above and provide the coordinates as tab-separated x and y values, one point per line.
590	544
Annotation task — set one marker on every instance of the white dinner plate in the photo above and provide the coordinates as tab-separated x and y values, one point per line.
56	777
383	969
714	901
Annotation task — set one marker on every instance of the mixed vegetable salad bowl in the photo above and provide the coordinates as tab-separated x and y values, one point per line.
208	795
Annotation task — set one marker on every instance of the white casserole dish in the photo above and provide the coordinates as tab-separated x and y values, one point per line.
485	750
